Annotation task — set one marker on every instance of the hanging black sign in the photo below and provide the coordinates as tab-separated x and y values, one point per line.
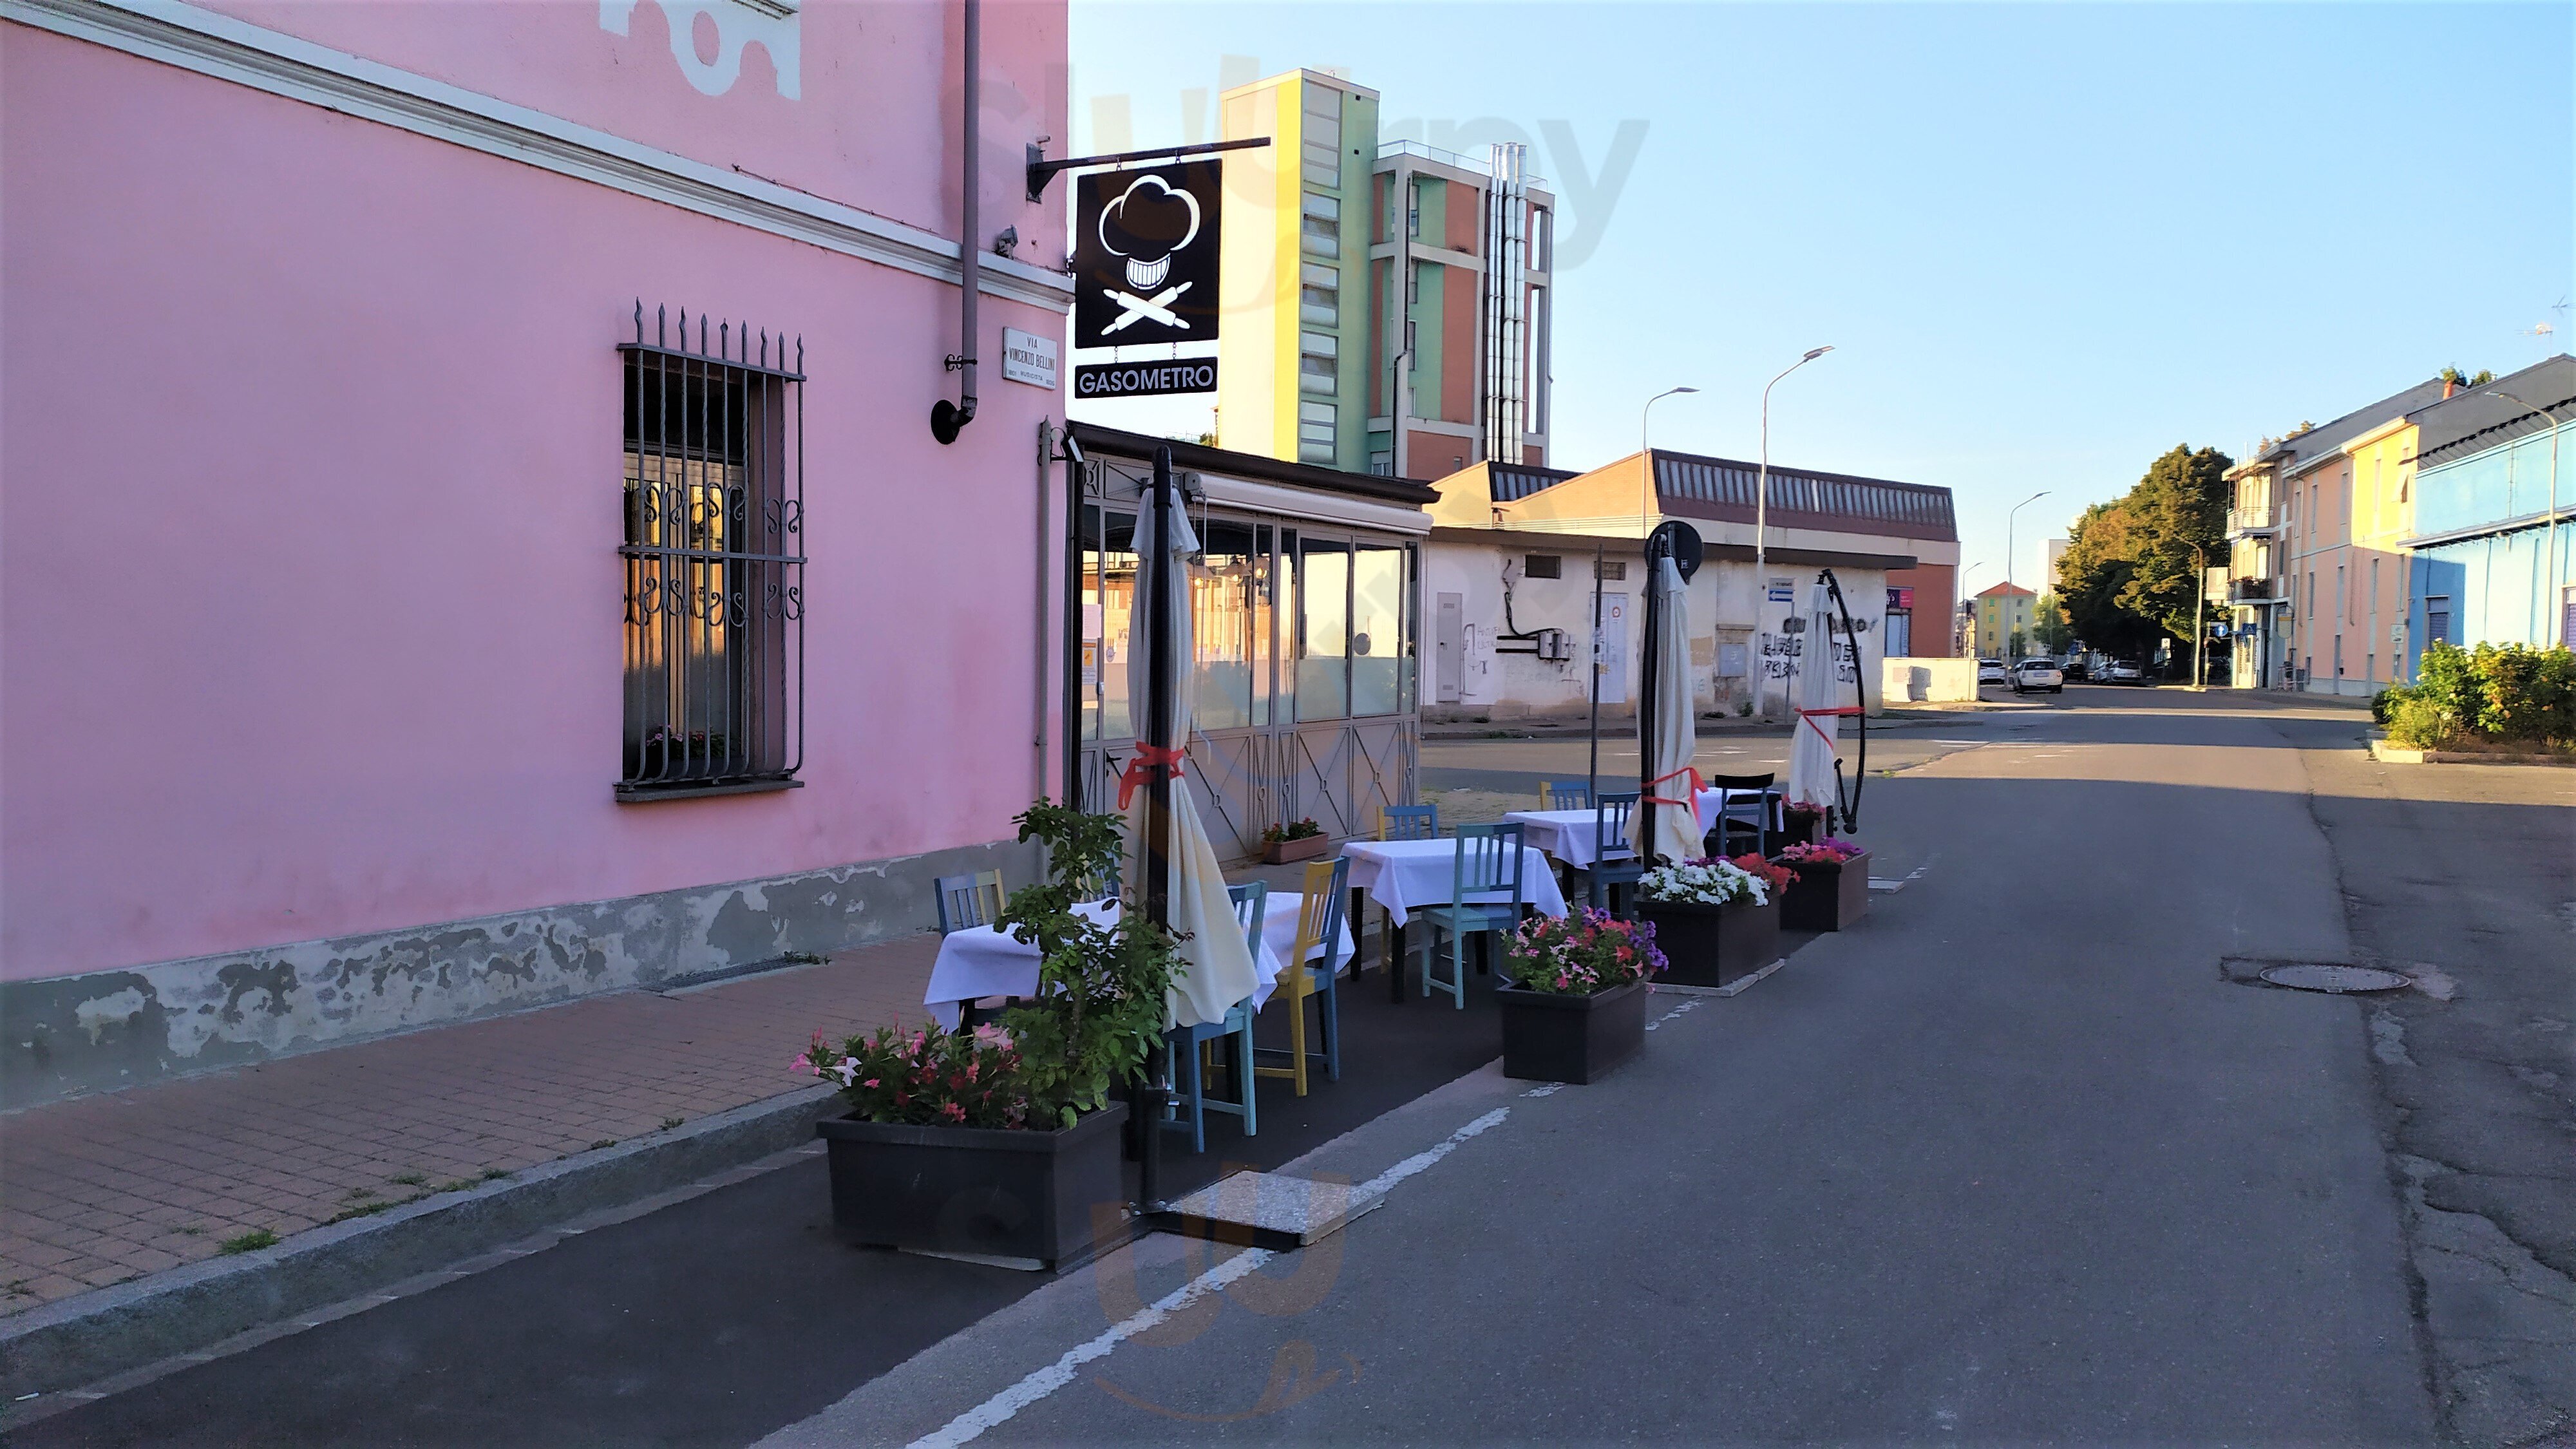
1145	379
1145	254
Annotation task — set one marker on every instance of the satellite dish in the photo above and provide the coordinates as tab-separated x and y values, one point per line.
1680	542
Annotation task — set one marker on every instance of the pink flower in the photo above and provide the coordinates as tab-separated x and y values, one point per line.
872	1081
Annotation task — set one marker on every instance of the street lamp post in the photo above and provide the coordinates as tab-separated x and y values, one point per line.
2550	577
2010	517
1646	516
1761	528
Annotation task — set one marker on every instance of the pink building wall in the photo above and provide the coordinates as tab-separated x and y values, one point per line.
310	447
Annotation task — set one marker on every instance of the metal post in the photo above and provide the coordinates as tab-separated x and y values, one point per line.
2200	623
1158	810
1761	531
1592	764
2010	518
1647	683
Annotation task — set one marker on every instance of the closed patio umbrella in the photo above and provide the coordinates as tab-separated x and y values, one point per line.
1818	695
1216	971
1670	807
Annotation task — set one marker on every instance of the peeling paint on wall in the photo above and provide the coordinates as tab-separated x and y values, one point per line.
110	1029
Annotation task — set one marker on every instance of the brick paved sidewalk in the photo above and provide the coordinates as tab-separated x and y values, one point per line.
101	1189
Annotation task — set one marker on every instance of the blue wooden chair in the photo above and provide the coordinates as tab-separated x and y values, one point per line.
1488	865
1565	794
1184	1044
1319	927
968	900
1760	817
1408	822
1614	862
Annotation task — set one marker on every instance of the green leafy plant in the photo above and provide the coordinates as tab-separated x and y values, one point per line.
1101	988
2420	723
249	1242
2493	692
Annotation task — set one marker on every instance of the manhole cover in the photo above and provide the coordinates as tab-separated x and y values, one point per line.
2317	976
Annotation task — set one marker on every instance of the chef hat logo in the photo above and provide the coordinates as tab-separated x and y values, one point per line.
1146	224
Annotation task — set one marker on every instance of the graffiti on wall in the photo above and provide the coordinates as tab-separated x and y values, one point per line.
770	24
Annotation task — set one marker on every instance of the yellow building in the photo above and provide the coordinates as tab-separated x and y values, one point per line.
2350	510
2002	611
1292	369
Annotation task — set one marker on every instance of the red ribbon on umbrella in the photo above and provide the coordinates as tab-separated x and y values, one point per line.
1809	717
1140	768
1696	784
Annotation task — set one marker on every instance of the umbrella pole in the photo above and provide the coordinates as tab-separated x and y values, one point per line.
1646	686
1158	817
1592	764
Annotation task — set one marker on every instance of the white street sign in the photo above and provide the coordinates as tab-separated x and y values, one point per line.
1029	358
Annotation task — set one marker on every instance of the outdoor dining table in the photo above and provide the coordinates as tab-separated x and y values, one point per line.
1568	834
1401	875
982	961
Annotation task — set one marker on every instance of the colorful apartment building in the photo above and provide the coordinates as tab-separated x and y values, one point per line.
1292	342
1387	305
2294	612
2005	615
2322	530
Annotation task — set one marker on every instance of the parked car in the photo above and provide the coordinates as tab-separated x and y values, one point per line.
2121	671
2074	668
1991	671
2033	675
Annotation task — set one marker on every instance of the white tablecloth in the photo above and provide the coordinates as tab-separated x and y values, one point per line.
1568	834
1402	875
984	961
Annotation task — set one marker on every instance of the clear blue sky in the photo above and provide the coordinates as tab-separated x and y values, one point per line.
2048	241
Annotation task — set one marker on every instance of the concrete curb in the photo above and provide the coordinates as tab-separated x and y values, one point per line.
91	1336
2388	754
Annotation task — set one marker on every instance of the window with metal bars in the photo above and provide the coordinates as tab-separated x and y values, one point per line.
714	555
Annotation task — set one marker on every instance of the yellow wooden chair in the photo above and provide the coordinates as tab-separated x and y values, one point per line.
1319	925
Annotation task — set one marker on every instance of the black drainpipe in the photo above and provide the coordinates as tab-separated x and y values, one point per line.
948	419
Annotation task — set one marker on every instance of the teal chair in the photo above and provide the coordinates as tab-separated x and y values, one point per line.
1614	862
1184	1044
1488	865
1565	794
1408	822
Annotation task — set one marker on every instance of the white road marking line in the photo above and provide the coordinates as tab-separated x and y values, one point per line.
1002	1407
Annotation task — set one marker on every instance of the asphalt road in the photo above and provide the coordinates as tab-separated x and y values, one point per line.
2014	1161
2019	1159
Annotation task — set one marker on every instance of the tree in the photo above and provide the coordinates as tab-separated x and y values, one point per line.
2050	628
2013	643
2453	376
2131	571
2181	523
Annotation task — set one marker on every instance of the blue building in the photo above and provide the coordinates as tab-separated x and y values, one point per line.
2494	557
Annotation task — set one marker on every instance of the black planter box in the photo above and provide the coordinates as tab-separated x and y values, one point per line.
1044	1197
1552	1038
1713	945
1799	829
1825	897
